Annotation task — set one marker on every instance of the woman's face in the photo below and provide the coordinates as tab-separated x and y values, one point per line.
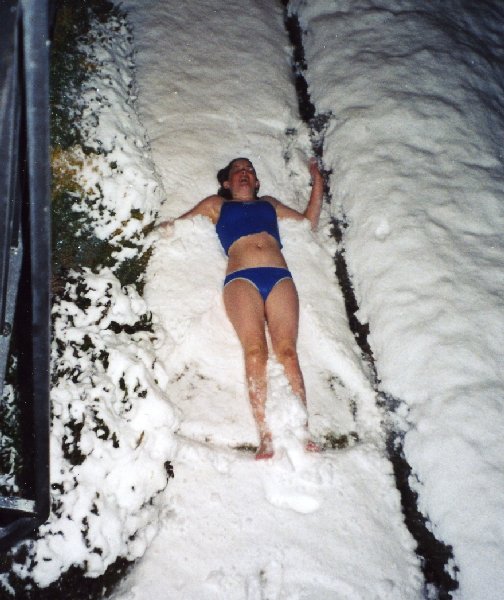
242	180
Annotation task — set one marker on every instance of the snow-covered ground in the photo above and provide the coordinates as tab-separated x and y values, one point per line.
415	95
300	526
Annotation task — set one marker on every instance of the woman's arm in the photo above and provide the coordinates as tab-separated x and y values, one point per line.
314	207
208	207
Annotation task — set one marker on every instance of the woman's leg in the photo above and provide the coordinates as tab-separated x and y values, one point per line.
282	316
245	309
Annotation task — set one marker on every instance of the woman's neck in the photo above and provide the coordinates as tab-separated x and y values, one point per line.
244	198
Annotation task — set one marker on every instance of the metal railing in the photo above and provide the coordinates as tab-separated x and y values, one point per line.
25	250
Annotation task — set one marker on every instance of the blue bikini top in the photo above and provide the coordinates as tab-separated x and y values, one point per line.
238	219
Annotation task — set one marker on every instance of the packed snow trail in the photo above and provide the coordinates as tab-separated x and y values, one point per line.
214	83
415	145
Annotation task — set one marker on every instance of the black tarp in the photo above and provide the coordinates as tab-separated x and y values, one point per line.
25	251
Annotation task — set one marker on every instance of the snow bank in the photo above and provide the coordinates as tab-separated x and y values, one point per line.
415	92
110	431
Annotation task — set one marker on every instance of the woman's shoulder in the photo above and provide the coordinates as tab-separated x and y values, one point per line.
208	207
283	211
213	200
271	200
211	206
275	203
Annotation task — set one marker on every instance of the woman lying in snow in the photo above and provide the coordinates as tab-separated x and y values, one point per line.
258	287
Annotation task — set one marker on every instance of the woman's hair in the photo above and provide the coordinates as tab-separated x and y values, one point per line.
223	175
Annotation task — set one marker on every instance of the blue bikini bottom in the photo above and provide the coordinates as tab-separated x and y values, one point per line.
263	279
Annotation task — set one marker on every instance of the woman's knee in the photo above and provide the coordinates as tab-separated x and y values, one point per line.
256	354
286	352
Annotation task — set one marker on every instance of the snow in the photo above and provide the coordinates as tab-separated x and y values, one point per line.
414	93
415	147
414	96
277	547
302	526
109	442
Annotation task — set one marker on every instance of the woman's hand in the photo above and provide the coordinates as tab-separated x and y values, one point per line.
165	224
315	173
165	228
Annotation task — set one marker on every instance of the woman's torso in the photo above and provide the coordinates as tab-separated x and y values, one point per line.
261	249
256	250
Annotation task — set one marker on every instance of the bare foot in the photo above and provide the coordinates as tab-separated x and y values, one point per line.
312	446
265	449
